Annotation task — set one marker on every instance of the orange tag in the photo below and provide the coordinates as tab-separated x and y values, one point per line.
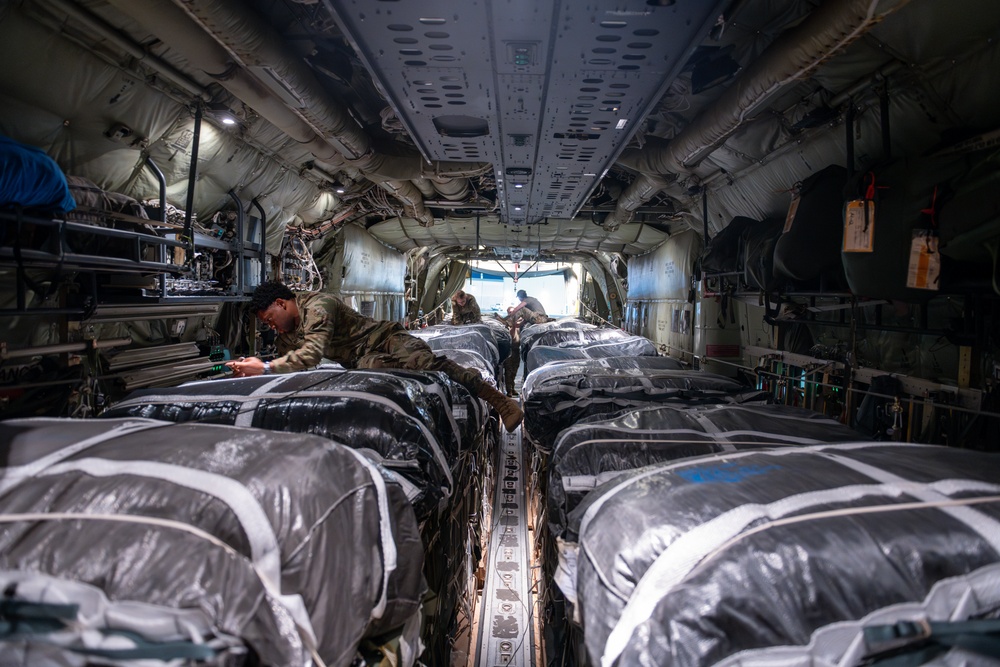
925	261
859	226
790	218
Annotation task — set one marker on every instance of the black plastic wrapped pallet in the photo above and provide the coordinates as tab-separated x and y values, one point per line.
630	346
255	538
814	233
476	337
782	556
571	338
410	419
531	332
598	449
472	359
501	335
560	394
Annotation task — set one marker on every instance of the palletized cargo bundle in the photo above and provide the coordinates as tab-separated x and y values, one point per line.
560	394
405	417
531	332
597	450
571	338
785	556
629	346
476	337
199	541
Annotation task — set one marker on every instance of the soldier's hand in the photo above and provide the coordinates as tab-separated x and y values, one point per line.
246	367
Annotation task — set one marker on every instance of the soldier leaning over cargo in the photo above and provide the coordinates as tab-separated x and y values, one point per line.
313	325
464	309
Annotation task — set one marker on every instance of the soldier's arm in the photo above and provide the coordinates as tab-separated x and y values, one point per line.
317	328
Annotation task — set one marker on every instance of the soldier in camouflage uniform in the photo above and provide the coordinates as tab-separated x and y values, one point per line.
464	309
313	325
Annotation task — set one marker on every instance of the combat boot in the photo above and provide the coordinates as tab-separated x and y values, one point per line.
508	409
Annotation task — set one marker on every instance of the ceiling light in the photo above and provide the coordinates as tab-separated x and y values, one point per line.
621	123
340	191
228	120
519	185
517	208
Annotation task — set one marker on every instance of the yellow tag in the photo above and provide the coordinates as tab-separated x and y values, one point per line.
790	218
859	226
925	261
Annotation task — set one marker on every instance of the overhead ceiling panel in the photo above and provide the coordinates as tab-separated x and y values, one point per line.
559	237
547	92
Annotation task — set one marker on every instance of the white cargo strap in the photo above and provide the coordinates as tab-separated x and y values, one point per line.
265	553
249	408
685	554
14	475
841	643
438	391
305	634
389	556
255	398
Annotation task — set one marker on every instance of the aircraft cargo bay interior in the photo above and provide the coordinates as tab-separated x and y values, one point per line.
489	333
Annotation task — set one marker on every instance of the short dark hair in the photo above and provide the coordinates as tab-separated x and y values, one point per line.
268	293
521	294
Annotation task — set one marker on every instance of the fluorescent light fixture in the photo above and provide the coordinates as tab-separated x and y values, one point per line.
517	208
227	120
590	174
340	191
622	122
519	185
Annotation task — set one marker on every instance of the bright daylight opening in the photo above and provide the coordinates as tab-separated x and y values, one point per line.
554	284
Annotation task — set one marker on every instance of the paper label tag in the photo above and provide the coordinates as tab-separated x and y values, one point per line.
925	261
859	226
790	218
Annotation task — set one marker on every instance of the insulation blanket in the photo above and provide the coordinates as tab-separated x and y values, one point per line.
629	346
281	541
562	393
476	337
599	449
415	421
780	557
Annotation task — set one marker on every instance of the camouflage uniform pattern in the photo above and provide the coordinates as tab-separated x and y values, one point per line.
512	362
328	328
467	314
